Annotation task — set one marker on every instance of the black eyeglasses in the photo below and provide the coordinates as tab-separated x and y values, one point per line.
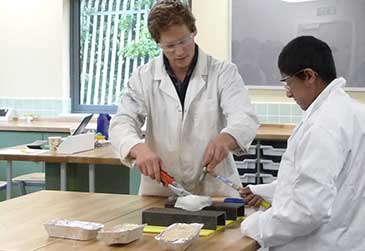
284	79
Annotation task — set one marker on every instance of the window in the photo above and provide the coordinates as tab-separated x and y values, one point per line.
109	40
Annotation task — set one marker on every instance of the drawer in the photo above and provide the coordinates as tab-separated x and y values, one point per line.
246	164
248	178
269	165
251	150
250	154
271	151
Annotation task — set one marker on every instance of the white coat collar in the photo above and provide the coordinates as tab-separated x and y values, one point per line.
331	87
197	81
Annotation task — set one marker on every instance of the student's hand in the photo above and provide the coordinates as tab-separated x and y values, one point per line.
217	150
148	163
252	200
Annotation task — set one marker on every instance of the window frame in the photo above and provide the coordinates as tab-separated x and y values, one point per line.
76	107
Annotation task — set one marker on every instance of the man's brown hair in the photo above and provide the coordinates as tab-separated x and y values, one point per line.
166	13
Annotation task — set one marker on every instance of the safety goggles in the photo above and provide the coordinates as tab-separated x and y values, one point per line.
171	47
285	79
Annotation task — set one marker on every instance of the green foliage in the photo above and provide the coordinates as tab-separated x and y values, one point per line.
126	22
143	47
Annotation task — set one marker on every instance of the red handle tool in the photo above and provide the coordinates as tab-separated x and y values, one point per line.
166	179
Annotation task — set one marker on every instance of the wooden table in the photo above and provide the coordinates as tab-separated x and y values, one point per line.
22	219
265	131
274	131
45	125
102	155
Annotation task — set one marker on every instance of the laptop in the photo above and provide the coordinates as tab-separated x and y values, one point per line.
80	128
38	144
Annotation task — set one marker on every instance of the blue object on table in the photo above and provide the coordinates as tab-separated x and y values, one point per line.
103	124
233	200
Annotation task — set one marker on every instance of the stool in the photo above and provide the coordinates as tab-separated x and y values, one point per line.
3	185
30	179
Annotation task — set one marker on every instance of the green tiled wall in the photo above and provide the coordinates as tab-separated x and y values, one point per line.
278	113
42	107
274	112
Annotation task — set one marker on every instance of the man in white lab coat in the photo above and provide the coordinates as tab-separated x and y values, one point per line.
196	109
318	199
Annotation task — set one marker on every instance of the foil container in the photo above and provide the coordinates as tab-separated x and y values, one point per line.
73	229
121	234
178	236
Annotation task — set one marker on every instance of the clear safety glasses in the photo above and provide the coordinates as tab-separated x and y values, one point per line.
171	47
285	79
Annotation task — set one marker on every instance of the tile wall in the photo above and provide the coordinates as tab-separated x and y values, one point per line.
274	112
278	113
41	107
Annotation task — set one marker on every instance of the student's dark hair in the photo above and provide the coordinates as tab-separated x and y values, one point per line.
307	52
166	13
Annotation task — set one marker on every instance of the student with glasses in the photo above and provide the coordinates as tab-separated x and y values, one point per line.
195	108
318	200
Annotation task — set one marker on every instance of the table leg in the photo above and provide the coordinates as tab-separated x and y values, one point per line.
9	177
63	177
92	178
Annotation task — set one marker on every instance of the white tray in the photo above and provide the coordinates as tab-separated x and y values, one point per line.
272	151
248	178
246	164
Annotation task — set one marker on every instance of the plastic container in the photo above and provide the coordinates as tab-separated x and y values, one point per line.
121	234
246	164
178	236
72	229
251	150
270	165
99	140
271	151
102	126
248	178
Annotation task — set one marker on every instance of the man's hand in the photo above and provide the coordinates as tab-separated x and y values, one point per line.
218	149
147	161
252	200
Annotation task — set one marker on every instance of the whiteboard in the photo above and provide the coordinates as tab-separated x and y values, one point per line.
261	28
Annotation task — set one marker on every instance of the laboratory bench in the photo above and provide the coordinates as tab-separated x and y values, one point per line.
266	131
23	218
97	170
100	170
20	132
54	125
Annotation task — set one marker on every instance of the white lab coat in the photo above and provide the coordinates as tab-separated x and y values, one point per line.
319	199
216	101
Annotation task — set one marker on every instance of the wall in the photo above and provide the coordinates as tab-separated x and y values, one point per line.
31	48
212	24
34	54
34	65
